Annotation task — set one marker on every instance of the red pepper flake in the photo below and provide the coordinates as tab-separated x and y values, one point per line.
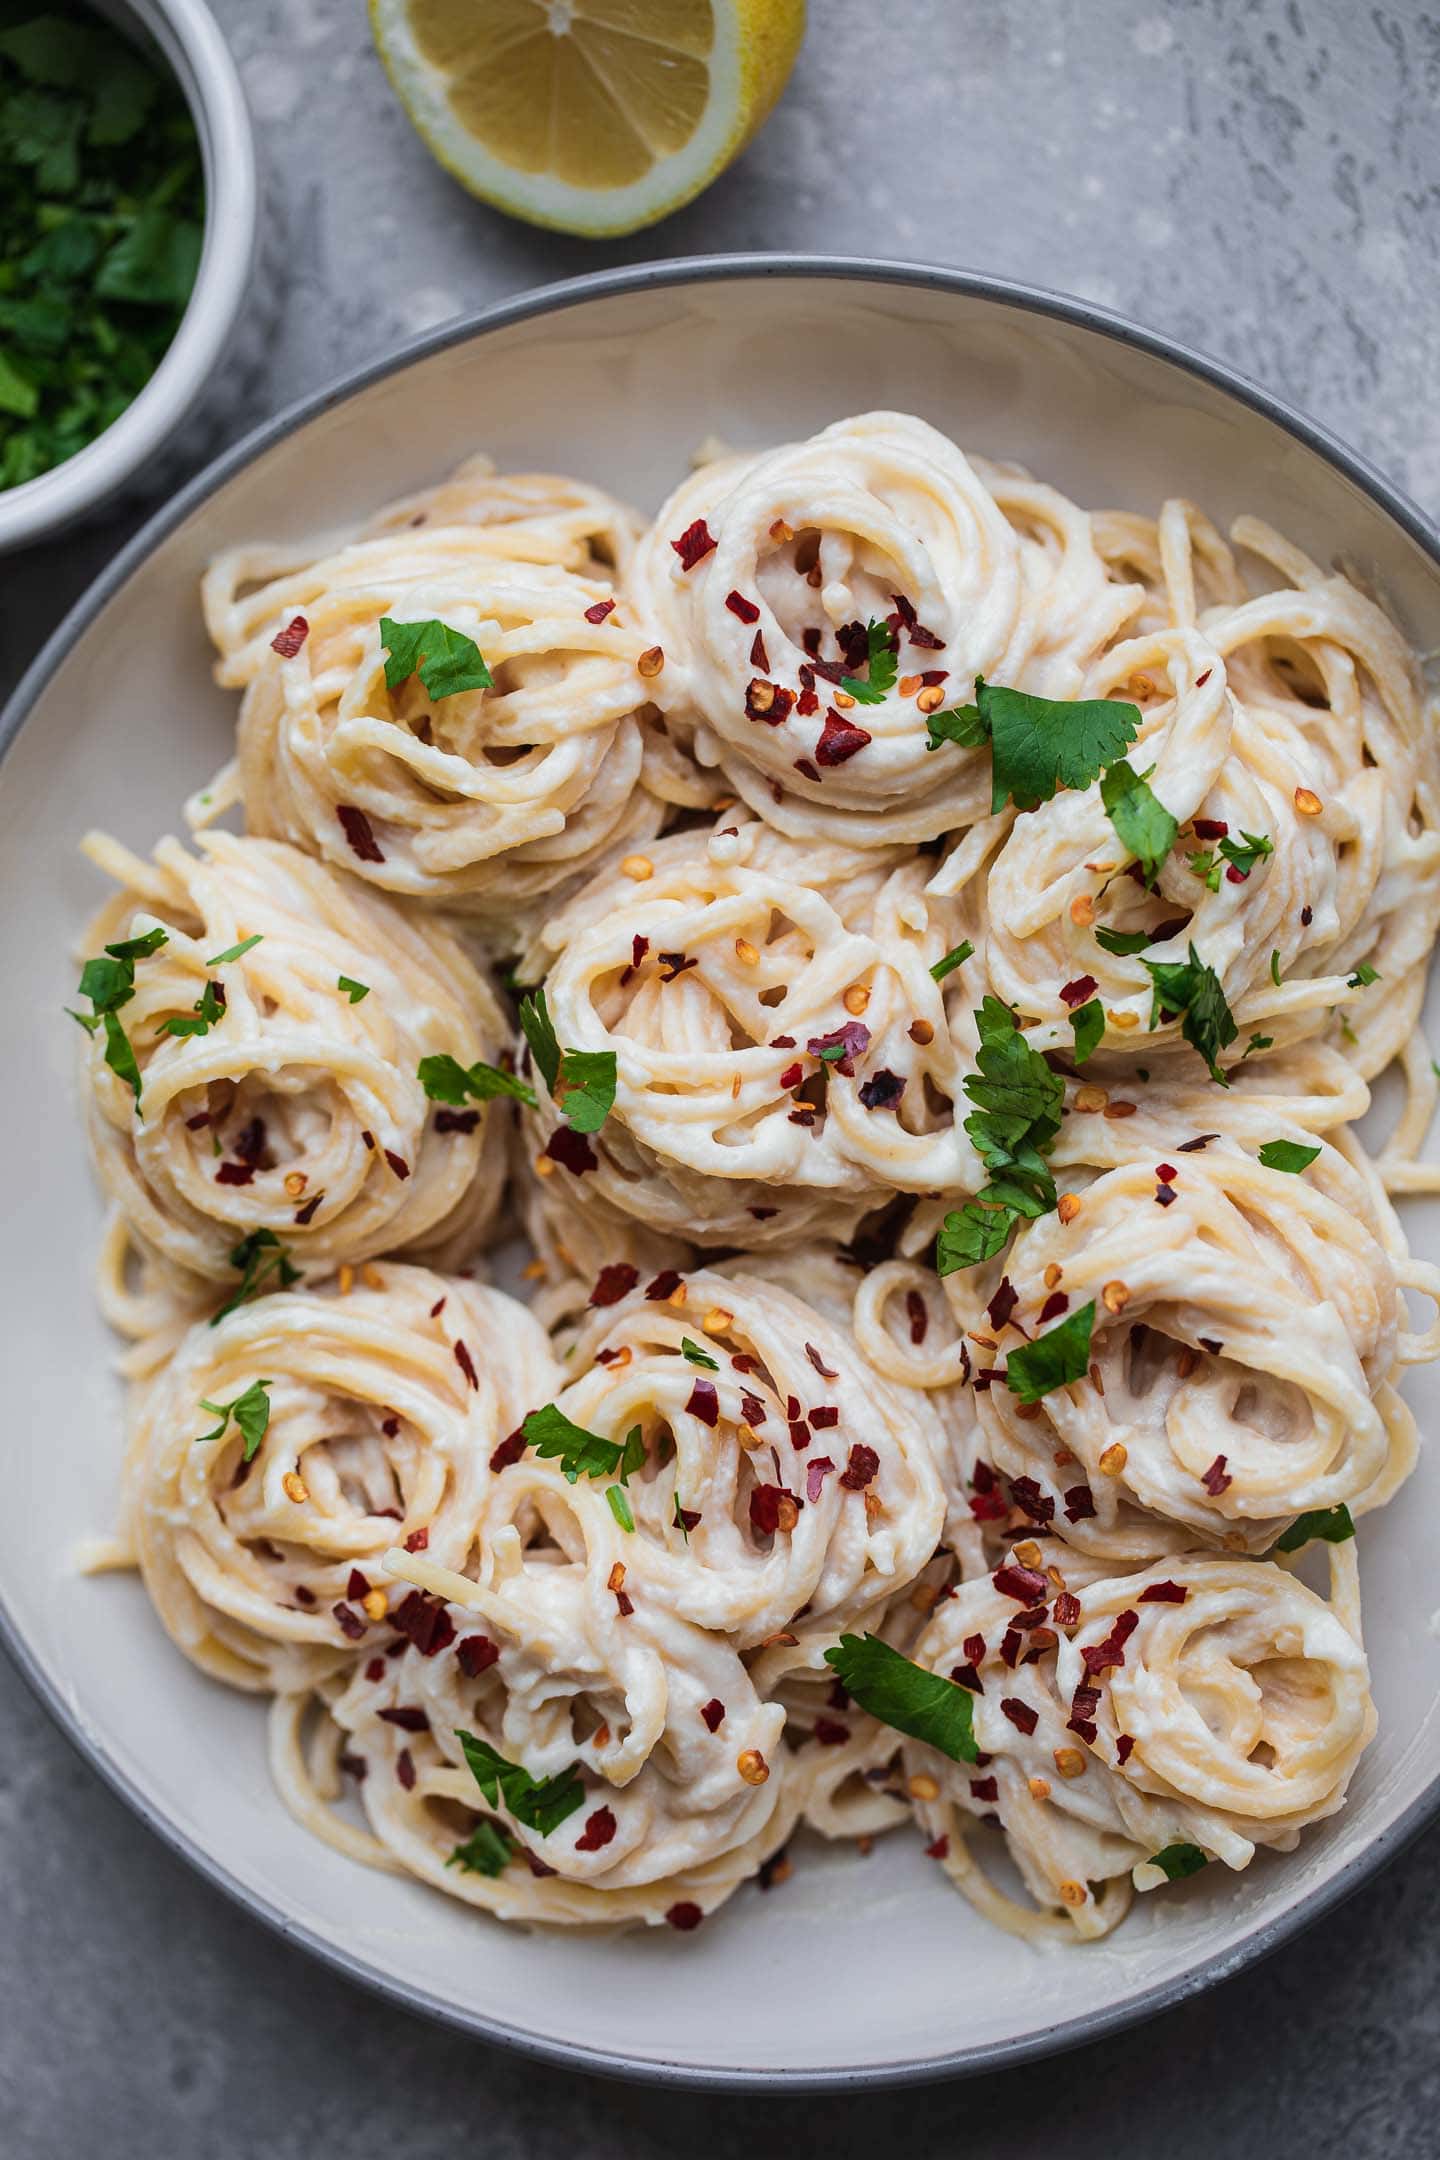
673	964
1193	1147
665	1284
1030	1500
614	1282
1201	680
823	1416
861	1469
349	1620
407	1719
600	610
1217	1478
1208	1342
713	1713
1054	1305
572	1150
739	605
1079	1504
687	1518
1164	1195
766	1507
249	1143
418	1541
684	1915
985	1478
989	1507
758	655
1084	1704
538	1868
599	1829
882	1091
438	1307
639	946
1124	1743
424	1622
799	1435
967	1677
390	1426
375	1670
461	1121
806	704
984	1788
851	1041
398	1164
476	1653
357	1587
826	1372
235	1173
466	1363
830	671
1166	1172
1076	992
1020	1714
287	642
932	677
1099	1657
1164	1593
939	1850
752	1409
359	832
694	544
1066	1610
509	1451
1003	1303
1307	916
816	1472
839	739
918	1314
806	770
201	1118
704	1403
405	1769
1024	1584
1209	828
792	1075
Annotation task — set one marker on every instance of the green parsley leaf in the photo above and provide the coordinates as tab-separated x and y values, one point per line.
1018	1101
1192	988
1054	1359
486	1851
353	990
963	725
446	661
1040	745
1205	863
952	960
694	1355
634	1456
540	1034
679	1520
1088	1025
587	1088
207	1009
883	667
1140	819
109	982
1178	1861
904	1695
976	1233
1363	976
446	1080
1333	1524
1243	854
251	1412
580	1453
120	1055
1123	942
1287	1155
1257	1042
619	1507
258	1256
1275	967
153	263
233	952
541	1804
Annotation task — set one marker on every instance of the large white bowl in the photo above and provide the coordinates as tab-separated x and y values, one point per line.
857	1969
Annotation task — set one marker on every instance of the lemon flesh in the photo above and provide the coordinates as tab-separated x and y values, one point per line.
596	116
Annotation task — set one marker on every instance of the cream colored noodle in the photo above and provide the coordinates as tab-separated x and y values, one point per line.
779	905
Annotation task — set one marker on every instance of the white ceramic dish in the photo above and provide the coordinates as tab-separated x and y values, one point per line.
857	1970
189	42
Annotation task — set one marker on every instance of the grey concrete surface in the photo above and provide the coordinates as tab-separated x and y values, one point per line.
1259	177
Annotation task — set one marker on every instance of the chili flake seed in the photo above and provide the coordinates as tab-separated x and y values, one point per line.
745	952
1068	1206
1069	1762
1116	1296
297	1490
1114	1459
651	661
1090	1097
1039	1788
616	1578
752	1766
1122	1020
717	1320
376	1604
781	533
930	699
1073	1893
856	998
295	1183
1052	1274
922	1786
638	867
1082	911
921	1032
1307	802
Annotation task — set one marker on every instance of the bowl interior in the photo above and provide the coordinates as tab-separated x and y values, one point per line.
856	1966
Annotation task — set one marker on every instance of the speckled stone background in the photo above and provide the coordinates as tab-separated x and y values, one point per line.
1262	179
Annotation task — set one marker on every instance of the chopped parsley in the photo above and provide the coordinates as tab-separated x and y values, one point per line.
1178	1861
952	960
1088	1025
1018	1101
109	982
1333	1524
207	1009
904	1695
101	201
882	669
1054	1359
694	1355
1123	942
1038	745
258	1257
580	1453
1191	988
1287	1155
251	1412
582	1082
540	1803
234	952
1140	819
1275	966
486	1851
1242	856
353	990
619	1507
446	661
974	1234
1363	976
446	1080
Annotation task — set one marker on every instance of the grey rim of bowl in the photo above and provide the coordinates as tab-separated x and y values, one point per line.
188	42
572	292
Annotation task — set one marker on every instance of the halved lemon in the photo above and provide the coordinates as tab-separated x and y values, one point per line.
596	116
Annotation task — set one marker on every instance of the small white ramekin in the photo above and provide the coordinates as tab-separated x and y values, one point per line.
191	44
